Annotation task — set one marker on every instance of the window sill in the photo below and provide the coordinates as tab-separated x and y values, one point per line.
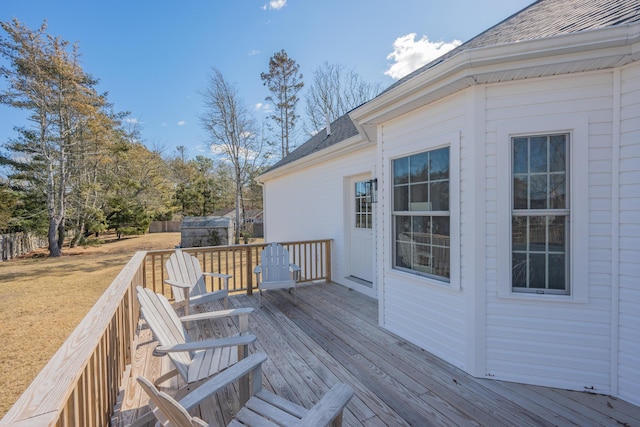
546	298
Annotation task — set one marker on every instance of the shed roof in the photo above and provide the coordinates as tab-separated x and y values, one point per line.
205	222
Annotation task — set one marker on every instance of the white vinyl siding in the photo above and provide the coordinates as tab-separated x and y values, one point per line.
424	310
308	204
555	340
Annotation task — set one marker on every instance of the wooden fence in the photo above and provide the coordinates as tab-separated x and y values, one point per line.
13	245
79	386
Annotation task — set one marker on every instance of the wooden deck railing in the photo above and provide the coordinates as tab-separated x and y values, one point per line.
313	257
80	384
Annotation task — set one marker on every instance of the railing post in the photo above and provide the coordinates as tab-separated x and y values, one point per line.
249	271
328	258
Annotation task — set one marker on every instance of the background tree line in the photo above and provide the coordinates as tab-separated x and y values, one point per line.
79	167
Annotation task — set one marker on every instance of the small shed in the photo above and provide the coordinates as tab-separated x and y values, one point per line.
198	231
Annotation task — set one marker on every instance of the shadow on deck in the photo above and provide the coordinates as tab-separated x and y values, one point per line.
332	336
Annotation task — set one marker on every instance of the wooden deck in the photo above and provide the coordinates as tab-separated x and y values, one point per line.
332	336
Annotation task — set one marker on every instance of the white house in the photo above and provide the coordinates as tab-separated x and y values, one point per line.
505	238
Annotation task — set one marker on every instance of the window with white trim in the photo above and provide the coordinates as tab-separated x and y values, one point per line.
364	216
421	217
540	214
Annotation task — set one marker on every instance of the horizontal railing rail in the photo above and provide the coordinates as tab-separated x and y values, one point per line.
80	383
313	257
79	386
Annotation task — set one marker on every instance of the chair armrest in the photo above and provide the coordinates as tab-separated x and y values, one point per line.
177	284
217	314
206	344
258	272
294	267
329	407
220	275
225	279
221	380
208	297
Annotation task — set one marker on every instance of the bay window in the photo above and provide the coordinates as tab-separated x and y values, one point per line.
421	217
540	214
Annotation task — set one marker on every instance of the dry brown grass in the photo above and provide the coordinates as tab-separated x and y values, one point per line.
43	300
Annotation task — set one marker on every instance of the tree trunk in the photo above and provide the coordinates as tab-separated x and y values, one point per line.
237	221
61	233
54	249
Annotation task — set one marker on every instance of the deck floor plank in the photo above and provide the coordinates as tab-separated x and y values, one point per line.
324	366
332	336
473	405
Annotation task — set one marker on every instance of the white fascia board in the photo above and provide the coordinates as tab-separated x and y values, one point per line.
458	71
342	148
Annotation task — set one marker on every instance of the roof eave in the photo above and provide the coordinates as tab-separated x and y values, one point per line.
609	46
342	148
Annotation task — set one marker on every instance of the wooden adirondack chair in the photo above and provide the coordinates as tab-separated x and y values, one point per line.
194	361
262	406
276	272
188	281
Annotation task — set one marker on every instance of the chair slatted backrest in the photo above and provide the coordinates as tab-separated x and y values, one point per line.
275	263
165	325
166	409
185	268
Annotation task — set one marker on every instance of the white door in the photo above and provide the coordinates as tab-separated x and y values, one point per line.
361	230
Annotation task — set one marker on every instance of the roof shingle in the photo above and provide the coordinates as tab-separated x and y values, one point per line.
541	19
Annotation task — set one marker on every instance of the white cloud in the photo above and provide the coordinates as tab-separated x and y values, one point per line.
275	4
132	120
221	153
254	52
410	54
181	123
264	108
217	150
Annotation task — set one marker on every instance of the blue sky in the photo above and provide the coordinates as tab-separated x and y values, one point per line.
153	58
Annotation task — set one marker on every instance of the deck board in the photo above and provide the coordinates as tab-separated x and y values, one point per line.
332	335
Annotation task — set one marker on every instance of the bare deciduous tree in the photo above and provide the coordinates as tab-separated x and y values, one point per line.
334	92
233	133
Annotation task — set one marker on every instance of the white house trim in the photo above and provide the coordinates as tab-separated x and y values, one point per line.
583	51
615	230
476	292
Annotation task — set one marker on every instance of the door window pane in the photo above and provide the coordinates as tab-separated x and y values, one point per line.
362	206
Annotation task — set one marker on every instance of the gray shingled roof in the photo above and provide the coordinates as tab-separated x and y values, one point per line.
341	129
544	18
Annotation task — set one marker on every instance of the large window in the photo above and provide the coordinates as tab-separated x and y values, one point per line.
421	213
540	214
